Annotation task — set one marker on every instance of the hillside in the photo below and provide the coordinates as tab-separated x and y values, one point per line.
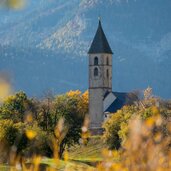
48	42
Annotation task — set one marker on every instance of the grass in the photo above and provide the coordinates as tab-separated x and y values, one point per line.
60	166
4	167
92	152
81	157
67	165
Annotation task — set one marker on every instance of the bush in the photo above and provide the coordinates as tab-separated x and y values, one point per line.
116	127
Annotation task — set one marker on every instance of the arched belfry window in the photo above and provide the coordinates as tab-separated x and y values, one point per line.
96	61
96	72
107	73
107	61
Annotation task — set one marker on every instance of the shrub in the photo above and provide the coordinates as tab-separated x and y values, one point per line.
146	148
116	127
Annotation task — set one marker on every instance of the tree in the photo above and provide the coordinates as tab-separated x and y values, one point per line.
43	118
71	108
15	107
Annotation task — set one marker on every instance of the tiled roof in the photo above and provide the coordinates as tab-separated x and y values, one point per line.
121	100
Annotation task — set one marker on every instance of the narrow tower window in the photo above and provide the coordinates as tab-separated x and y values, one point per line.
107	61
96	72
107	73
96	61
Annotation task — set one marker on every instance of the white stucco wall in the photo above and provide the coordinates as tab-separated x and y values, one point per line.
108	101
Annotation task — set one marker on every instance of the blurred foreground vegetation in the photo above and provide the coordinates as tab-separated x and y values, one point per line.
12	4
52	134
140	135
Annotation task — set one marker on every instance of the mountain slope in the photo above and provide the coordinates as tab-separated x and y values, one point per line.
47	43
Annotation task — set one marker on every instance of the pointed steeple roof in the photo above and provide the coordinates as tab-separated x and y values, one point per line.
100	43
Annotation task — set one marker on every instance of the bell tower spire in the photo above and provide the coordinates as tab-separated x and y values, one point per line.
100	43
100	76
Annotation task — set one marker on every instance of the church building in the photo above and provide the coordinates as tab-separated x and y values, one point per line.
102	100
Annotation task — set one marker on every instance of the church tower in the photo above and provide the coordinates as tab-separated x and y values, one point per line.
100	76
